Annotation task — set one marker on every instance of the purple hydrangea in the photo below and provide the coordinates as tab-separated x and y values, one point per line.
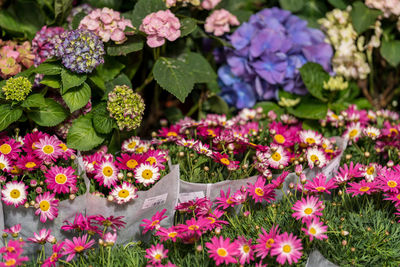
80	50
267	53
42	44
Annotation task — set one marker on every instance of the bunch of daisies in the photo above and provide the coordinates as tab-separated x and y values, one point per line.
37	171
137	167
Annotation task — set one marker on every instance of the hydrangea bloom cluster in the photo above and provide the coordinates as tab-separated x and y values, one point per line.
267	53
14	58
388	8
43	44
126	107
171	3
80	50
219	22
107	24
17	89
349	59
159	26
209	4
84	8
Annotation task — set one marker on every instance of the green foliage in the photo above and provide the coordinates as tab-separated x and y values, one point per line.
62	9
102	121
48	115
133	44
77	97
49	68
292	5
390	50
309	109
143	8
313	76
8	116
34	101
363	17
267	106
70	80
82	134
188	25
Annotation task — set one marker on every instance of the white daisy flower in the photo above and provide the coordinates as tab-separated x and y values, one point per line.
247	114
372	132
277	156
370	172
106	173
353	132
202	149
310	137
316	158
131	144
124	193
5	164
14	193
147	174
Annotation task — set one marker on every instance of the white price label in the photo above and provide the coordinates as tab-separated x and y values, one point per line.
155	201
185	197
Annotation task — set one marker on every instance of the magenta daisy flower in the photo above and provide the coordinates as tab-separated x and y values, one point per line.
156	253
225	201
224	160
394	197
13	230
167	234
265	241
362	188
349	172
106	173
57	254
47	206
213	220
48	148
193	227
245	250
320	185
315	229
155	158
28	163
154	223
222	250
80	223
259	191
67	152
171	133
10	148
5	163
61	180
307	208
13	259
128	162
111	221
77	245
31	139
41	238
389	181
288	248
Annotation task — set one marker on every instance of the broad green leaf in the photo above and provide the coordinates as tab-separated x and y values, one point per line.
8	116
113	4
292	5
309	109
218	105
11	24
173	114
133	44
121	79
77	19
311	125
200	68
312	11
70	79
110	69
267	106
48	115
62	9
390	50
52	81
341	4
102	121
82	135
144	8
174	76
313	76
242	15
52	68
362	103
77	97
34	101
188	25
362	17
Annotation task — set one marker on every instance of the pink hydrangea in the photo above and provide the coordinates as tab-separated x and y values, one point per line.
210	4
14	57
388	7
107	24
159	26
170	3
219	22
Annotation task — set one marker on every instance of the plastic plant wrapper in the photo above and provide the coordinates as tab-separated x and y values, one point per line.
317	260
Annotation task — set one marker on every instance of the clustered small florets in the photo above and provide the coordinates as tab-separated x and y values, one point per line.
42	44
14	58
126	107
17	89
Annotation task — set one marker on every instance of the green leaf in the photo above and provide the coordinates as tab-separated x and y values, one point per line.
267	106
34	101
362	103
133	44
8	116
70	79
200	68
188	25
121	79
145	7
48	115
77	97
341	4
82	135
102	121
174	76
310	125
173	114
313	76
51	81
113	4
110	69
242	15
312	11
309	109
363	17
292	5
77	19
218	105
390	50
52	68
62	9
11	24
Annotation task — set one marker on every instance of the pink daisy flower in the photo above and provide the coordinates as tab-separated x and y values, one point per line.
48	148
277	156
203	149
353	132
222	250
80	223
213	220
171	133
156	253
245	250
67	152
167	234
31	139
28	163
224	160
307	208
128	162
61	180
5	163
57	254
193	227
389	181
76	246
315	229
259	191
288	248
111	221
310	137
362	188
13	230
10	148
155	158
47	206
154	223
13	247
394	197
225	201
13	260
41	238
91	161
265	241
320	185
346	173
106	173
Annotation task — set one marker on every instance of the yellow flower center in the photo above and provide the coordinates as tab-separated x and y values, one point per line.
398	196
123	193
393	130
79	249
108	171
276	156
2	166
140	149
132	145
172	134
147	174
211	219
314	158
287	248
33	146
44	205
310	140
15	170
5	149
63	147
11	262
308	211
229	201
336	117
10	249
312	231
320	188
193	227
222	252
210	132
353	133
280	139
48	149
225	161
151	160
269	243
155	222
246	249
30	164
172	234
370	170
259	192
157	256
61	178
15	193
131	164
53	257
392	184
364	188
